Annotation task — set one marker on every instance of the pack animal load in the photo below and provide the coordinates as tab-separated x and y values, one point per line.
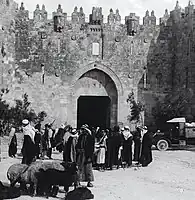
24	174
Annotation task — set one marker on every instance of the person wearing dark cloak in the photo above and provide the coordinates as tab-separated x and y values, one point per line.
127	140
85	150
137	144
116	143
146	151
67	134
110	151
49	140
38	140
59	138
28	148
70	150
12	143
45	141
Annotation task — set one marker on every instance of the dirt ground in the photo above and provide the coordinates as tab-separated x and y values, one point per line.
171	176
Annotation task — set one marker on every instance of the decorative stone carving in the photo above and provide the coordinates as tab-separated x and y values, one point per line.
117	39
59	9
59	19
146	19
177	7
145	40
73	37
164	19
111	17
96	17
22	6
166	13
75	16
24	14
153	19
117	17
132	22
36	13
43	13
81	16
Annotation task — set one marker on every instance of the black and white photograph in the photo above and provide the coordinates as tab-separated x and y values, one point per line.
97	99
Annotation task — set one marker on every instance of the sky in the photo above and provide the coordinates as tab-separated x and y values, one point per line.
125	6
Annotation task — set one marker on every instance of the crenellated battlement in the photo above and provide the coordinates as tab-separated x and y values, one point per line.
41	54
61	22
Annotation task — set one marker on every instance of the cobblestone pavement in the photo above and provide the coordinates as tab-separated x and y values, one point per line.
170	177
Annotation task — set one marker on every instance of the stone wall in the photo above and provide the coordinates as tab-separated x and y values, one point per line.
51	55
7	41
170	60
61	54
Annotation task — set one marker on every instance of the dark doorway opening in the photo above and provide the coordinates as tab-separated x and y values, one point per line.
94	111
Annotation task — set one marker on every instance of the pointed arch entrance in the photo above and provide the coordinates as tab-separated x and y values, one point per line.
95	99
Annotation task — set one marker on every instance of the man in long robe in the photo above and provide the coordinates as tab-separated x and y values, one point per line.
85	149
12	143
71	146
127	139
67	134
28	148
137	144
146	148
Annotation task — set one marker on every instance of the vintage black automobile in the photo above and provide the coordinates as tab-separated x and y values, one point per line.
178	133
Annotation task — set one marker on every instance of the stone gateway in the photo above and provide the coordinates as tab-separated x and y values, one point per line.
82	72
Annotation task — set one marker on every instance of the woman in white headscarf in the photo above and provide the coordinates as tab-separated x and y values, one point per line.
28	148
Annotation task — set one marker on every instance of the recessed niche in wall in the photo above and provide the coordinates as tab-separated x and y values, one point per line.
95	49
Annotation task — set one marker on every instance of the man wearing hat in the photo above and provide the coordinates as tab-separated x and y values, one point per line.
28	148
146	148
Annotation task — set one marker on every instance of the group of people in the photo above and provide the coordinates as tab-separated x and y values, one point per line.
120	147
89	147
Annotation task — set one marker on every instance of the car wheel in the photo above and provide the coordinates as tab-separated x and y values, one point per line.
162	145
